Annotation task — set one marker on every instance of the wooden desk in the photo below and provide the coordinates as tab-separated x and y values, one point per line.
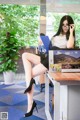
66	95
66	78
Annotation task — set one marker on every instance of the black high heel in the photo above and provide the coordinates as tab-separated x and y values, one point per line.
30	86
31	111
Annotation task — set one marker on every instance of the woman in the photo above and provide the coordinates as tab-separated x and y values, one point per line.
64	38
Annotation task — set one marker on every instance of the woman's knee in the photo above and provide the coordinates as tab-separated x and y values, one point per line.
24	55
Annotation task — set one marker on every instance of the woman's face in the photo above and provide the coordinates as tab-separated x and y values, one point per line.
65	26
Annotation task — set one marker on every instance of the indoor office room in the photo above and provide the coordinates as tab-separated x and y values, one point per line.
39	60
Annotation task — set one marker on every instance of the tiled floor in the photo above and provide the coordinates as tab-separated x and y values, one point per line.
13	101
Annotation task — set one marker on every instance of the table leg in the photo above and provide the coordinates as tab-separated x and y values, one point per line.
47	98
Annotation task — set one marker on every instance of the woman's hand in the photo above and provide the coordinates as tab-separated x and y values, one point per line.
71	28
70	43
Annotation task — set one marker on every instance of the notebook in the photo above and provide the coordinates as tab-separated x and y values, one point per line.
64	60
46	42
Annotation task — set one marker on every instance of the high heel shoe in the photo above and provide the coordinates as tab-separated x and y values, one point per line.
31	111
30	86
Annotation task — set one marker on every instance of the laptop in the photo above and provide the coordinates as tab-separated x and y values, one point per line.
46	42
64	60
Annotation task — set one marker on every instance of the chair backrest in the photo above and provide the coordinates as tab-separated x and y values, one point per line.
46	42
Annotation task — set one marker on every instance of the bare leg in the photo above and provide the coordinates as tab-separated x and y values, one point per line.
38	69
28	60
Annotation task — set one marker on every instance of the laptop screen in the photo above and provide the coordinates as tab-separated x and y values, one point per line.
65	60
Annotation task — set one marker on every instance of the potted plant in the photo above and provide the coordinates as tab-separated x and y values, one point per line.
9	54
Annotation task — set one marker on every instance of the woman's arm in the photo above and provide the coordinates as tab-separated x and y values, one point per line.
70	43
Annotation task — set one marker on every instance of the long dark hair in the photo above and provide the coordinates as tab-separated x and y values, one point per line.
70	21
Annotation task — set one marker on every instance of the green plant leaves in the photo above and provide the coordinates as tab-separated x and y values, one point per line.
21	20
